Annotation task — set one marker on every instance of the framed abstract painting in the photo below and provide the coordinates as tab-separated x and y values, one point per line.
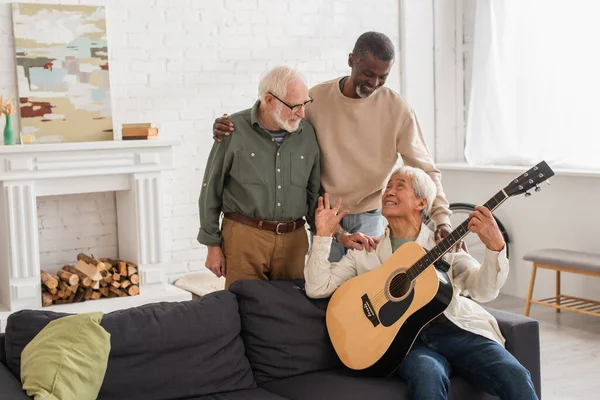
62	72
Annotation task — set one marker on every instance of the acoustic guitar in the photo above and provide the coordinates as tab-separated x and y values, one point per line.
373	319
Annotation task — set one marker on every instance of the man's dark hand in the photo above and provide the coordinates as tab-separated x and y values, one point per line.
222	127
441	232
358	241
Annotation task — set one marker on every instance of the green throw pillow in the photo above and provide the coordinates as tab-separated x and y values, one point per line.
67	359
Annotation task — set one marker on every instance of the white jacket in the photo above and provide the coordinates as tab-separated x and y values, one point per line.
482	282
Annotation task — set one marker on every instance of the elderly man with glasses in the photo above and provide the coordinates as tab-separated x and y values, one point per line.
265	180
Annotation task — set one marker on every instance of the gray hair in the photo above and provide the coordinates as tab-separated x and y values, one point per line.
422	183
277	80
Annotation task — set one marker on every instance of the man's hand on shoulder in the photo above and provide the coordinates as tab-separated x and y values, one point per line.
222	127
358	241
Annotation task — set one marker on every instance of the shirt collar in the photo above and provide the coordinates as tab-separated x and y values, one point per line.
255	123
422	237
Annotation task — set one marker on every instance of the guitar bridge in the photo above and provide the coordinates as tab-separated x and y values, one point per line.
369	311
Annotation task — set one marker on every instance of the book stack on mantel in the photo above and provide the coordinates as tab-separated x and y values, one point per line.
142	131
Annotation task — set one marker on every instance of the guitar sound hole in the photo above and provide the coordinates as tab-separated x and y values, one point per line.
400	285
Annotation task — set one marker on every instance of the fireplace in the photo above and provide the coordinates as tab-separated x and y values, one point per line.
133	169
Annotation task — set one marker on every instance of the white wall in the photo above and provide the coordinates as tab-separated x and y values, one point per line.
180	64
561	215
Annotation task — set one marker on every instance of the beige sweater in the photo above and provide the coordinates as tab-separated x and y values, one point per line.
360	140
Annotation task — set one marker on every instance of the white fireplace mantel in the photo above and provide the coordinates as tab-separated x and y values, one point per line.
131	168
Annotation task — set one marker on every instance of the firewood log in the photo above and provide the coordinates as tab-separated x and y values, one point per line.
83	278
95	285
135	279
104	291
90	270
116	277
80	295
96	295
113	289
102	267
116	284
46	299
88	293
113	263
108	278
48	280
125	284
71	278
87	259
122	268
131	270
134	290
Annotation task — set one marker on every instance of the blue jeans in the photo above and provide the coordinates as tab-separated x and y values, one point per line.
443	348
370	223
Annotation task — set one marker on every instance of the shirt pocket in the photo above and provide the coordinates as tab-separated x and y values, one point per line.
300	167
250	166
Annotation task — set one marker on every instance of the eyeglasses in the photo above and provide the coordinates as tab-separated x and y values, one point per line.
294	107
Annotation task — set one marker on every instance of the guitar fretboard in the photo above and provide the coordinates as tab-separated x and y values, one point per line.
449	241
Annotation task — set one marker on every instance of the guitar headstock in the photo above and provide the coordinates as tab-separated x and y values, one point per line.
529	180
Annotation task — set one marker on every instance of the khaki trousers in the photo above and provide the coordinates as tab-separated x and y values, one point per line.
252	253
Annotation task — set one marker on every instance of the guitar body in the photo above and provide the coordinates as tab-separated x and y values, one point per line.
373	319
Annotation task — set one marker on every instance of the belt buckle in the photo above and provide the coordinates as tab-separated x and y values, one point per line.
277	228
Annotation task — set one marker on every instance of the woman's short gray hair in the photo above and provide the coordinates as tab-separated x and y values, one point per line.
277	79
423	185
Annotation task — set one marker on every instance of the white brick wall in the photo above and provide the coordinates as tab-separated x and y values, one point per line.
181	63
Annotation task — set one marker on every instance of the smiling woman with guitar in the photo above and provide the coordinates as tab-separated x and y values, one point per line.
394	311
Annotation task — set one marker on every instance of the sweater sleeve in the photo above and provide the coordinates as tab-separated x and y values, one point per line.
411	145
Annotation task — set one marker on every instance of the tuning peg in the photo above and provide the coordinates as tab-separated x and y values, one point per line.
548	182
527	194
537	188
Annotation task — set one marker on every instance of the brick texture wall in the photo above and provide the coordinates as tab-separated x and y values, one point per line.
180	64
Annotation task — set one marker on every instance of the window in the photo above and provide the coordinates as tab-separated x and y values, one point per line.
535	89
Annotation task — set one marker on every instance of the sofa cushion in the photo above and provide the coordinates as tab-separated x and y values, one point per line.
284	331
349	385
168	350
67	359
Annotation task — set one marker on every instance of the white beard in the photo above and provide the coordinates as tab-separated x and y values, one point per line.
285	125
364	95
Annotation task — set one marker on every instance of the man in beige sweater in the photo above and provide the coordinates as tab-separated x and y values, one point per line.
361	127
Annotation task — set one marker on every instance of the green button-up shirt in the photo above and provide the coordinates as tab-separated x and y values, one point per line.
247	173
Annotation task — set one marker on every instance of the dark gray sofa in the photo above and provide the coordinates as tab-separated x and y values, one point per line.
259	340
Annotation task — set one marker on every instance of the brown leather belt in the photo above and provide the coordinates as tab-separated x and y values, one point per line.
274	226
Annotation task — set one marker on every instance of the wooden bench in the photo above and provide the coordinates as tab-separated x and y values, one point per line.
564	261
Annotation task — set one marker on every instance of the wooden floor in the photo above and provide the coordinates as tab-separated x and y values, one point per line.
570	346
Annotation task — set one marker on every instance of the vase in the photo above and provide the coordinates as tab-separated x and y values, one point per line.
9	133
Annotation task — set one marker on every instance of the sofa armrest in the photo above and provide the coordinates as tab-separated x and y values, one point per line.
522	336
10	387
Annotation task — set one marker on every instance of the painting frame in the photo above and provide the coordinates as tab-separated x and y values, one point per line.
63	78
